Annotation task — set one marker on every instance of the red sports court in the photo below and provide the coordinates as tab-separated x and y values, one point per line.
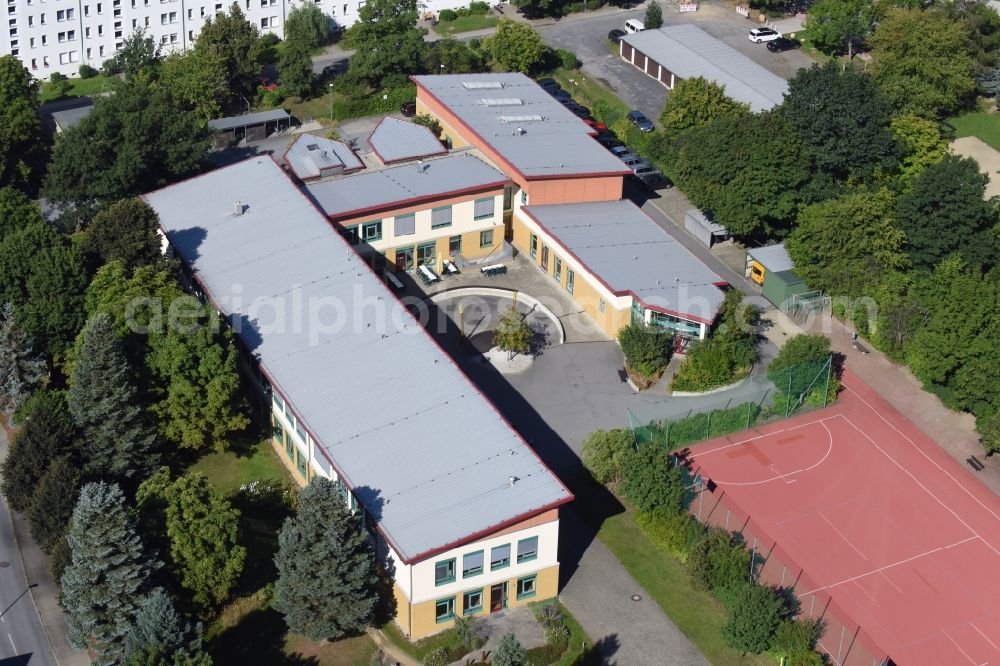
881	533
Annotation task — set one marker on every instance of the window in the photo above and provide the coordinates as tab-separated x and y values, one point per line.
570	275
300	431
486	238
557	269
444	572
71	35
86	10
524	198
45	40
351	234
472	564
100	8
500	557
405	225
526	587
454	245
300	462
444	610
163	19
472	602
533	246
483	208
527	549
61	15
600	305
278	432
545	259
289	447
441	217
426	254
371	231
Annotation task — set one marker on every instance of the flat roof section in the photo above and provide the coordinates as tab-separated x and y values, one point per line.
404	185
873	523
423	450
69	118
630	253
314	156
688	51
772	257
248	119
525	125
395	140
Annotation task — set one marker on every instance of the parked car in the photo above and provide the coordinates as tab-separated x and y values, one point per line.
609	142
635	162
560	94
782	44
596	124
761	35
639	119
646	174
266	83
622	151
548	84
615	36
408	109
634	26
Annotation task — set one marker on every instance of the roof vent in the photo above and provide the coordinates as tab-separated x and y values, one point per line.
511	480
422	166
526	118
238	208
482	85
502	101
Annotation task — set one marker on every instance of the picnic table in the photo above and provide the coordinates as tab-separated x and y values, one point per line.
493	270
427	274
392	279
450	268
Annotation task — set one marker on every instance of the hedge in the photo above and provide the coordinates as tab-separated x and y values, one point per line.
371	105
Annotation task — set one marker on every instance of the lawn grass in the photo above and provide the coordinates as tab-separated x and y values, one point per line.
78	88
355	651
588	92
465	24
982	124
243	462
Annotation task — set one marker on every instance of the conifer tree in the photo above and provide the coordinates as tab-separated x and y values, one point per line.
53	502
21	369
509	652
102	585
158	625
326	567
103	401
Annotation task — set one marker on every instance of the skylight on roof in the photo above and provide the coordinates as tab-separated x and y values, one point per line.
528	118
482	85
502	101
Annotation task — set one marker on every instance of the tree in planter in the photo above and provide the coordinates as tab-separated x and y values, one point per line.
606	452
22	371
653	18
513	334
53	502
104	403
102	586
326	586
652	482
509	652
647	349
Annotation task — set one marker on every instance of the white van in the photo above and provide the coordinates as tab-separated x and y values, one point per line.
633	26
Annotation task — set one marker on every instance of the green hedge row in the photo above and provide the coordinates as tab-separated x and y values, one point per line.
374	104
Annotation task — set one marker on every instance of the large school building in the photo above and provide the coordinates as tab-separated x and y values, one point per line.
464	515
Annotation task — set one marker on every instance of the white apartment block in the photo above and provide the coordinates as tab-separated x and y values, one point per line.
59	35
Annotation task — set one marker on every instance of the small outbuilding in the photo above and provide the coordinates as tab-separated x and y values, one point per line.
702	228
251	126
772	269
69	118
311	157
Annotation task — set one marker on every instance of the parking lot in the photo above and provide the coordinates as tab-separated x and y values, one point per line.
586	36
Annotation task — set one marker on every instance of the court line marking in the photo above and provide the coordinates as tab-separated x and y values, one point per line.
767	434
829	449
889	566
828	653
889	580
985	637
964	653
819	513
919	450
925	488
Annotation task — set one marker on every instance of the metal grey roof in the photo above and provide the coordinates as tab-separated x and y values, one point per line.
556	144
395	140
773	257
314	156
372	190
629	252
423	450
232	122
688	51
71	117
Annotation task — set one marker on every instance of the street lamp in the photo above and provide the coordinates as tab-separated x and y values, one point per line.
442	68
330	85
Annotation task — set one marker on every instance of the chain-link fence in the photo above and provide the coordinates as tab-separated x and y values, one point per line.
684	420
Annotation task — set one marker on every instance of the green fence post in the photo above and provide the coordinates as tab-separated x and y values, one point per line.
708	427
749	411
826	389
666	432
788	400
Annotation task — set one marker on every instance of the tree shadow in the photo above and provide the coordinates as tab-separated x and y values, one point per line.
600	653
258	639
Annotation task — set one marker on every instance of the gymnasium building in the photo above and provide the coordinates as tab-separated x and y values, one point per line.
463	513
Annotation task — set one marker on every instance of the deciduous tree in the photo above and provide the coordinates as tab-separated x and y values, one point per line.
921	142
754	613
513	334
126	231
945	212
103	584
843	120
922	62
840	26
326	567
516	47
696	102
20	126
606	453
388	45
234	41
306	25
197	80
295	74
104	403
138	53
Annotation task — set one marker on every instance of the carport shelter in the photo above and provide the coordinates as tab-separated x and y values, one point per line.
677	52
251	126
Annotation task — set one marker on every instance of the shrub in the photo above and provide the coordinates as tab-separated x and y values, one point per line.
477	7
109	67
548	614
792	637
271	98
567	59
716	561
87	72
60	84
652	482
509	652
430	122
798	350
557	635
727	355
754	613
468	635
805	658
605	453
437	657
475	43
647	349
447	15
674	534
269	40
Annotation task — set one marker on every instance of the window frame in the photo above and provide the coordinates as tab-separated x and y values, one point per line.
493	210
469	573
570	279
488	233
504	563
450	578
534	554
472	610
376	224
440	225
521	594
533	246
450	615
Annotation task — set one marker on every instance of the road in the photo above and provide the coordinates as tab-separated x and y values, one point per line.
22	640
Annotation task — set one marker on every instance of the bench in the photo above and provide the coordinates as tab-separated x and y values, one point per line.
493	270
860	347
975	464
392	279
